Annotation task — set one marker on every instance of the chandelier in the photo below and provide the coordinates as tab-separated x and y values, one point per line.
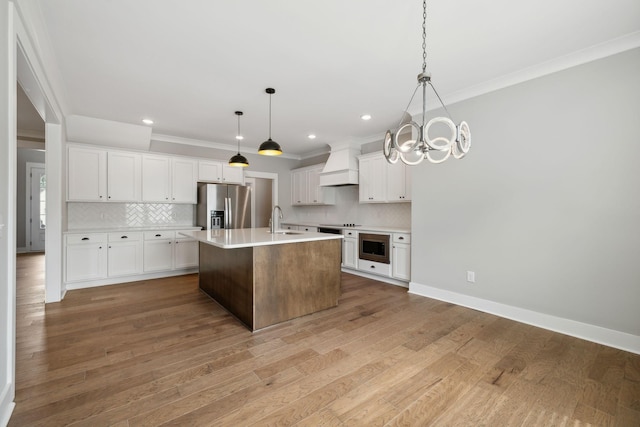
430	143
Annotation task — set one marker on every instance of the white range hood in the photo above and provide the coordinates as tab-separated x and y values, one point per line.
341	167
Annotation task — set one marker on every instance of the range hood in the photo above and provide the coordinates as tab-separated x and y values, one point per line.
341	167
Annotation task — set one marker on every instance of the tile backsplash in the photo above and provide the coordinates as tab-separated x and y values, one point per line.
348	209
111	215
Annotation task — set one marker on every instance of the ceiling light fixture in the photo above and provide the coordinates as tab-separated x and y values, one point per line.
270	147
365	117
414	151
147	121
238	160
311	136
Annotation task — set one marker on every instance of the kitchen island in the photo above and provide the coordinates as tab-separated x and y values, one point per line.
265	278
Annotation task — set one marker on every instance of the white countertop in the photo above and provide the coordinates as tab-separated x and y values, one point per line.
249	237
132	229
380	229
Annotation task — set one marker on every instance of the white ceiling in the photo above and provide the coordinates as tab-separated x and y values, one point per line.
189	64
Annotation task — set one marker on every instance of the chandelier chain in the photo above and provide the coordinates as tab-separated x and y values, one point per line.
424	36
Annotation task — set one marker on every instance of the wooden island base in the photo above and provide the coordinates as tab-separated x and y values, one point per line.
265	285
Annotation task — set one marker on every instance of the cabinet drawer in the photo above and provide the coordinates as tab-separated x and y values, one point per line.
401	238
125	237
374	267
155	235
350	233
74	239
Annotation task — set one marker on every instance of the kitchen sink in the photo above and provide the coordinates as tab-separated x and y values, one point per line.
283	232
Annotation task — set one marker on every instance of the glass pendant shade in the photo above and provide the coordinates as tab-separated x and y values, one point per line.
270	147
238	160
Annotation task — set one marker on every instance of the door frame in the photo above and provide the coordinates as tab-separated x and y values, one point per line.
29	204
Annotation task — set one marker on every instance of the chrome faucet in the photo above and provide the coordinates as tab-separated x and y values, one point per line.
274	218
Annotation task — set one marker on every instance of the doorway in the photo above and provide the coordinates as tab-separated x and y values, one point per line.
36	207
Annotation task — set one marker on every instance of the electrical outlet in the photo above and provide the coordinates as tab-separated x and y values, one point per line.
471	276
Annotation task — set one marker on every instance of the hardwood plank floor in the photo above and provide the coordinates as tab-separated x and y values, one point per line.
159	352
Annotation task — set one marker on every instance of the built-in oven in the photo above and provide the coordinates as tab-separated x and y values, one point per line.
374	247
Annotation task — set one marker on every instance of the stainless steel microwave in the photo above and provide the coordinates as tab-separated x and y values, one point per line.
374	247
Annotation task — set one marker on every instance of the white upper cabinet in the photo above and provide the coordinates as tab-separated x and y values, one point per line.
184	183
372	179
306	190
124	176
213	171
169	180
398	182
87	174
382	182
156	179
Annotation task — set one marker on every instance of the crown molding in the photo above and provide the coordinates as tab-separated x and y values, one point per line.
210	144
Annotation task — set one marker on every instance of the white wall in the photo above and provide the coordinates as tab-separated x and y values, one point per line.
545	208
7	212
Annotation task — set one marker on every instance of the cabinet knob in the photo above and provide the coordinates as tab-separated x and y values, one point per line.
124	237
85	238
373	266
101	197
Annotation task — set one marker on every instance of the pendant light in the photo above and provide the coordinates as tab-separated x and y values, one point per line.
238	160
436	149
270	147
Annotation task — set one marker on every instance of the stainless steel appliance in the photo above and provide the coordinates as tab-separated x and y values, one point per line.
374	247
223	206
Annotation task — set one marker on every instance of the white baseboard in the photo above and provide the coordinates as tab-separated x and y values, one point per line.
6	405
597	334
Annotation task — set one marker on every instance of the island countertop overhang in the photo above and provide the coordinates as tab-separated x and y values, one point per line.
251	237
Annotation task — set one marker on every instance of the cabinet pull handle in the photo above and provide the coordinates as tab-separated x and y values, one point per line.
85	238
373	266
158	235
124	237
400	238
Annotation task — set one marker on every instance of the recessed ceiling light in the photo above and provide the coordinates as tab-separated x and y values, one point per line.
311	136
147	121
366	117
239	137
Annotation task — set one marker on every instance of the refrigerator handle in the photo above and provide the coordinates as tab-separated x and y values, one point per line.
227	213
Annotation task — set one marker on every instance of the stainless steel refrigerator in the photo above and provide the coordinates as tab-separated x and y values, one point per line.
223	206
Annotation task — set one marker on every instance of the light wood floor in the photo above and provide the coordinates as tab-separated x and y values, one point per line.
161	353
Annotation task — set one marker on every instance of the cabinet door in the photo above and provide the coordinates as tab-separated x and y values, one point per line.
124	176
124	258
86	175
158	255
299	187
313	186
232	174
373	178
401	258
156	179
184	182
186	253
86	262
397	182
350	253
209	171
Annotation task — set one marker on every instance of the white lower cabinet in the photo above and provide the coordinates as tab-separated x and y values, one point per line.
185	253
124	254
350	248
158	250
86	257
105	258
169	250
401	256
